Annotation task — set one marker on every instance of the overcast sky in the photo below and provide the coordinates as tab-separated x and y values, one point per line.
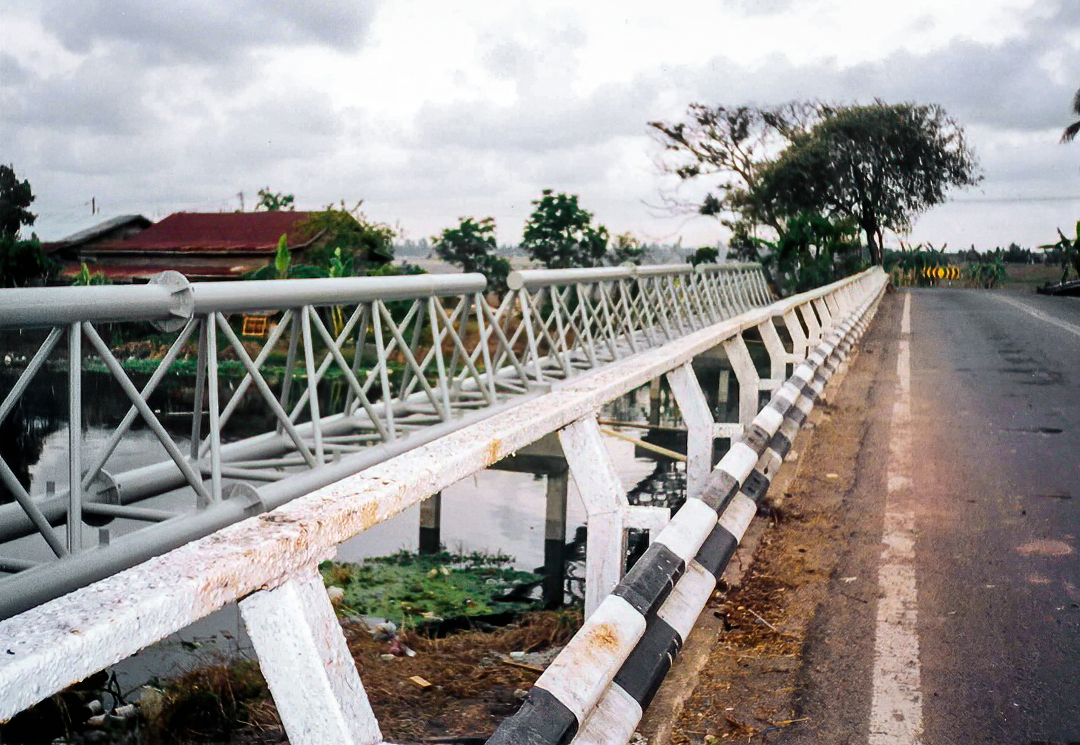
429	111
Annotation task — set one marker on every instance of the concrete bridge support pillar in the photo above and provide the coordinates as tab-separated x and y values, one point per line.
431	524
555	539
307	664
608	513
654	401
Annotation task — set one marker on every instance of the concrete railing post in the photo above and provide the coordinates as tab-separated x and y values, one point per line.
749	384
813	325
307	664
798	336
699	426
608	513
778	356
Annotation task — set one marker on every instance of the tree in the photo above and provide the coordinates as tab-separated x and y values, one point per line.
560	234
880	165
15	197
274	201
282	266
705	255
87	278
626	249
366	242
1071	131
814	251
729	144
1067	251
22	262
471	245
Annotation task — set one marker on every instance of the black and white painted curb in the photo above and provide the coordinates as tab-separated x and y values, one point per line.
596	690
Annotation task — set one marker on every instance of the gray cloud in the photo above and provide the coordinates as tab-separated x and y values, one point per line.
1004	86
543	119
759	7
11	72
99	96
170	109
204	30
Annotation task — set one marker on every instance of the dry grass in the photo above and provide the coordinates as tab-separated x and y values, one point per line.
471	690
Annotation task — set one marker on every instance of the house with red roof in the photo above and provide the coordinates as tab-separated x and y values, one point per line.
201	246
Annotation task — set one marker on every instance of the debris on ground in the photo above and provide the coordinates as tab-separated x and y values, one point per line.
447	646
748	689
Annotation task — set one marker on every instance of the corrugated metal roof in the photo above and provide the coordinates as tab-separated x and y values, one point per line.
215	231
101	229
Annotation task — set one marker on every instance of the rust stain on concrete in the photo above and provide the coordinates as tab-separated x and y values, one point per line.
605	637
369	514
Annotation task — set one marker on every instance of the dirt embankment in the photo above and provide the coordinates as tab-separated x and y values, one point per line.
749	687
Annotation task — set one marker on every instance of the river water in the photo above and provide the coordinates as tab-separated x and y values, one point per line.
510	506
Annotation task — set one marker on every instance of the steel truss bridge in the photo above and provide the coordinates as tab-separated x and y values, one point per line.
438	384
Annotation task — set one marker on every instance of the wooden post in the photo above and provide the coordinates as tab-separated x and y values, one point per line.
431	524
555	540
654	401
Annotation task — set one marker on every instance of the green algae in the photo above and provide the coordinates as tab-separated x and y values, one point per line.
408	588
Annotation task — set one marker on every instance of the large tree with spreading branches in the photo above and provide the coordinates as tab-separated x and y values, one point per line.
879	165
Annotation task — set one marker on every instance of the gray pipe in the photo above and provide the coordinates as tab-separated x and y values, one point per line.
46	582
169	297
277	294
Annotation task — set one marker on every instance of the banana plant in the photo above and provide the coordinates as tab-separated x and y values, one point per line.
1069	250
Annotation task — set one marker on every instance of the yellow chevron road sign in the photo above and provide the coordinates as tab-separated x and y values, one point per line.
941	272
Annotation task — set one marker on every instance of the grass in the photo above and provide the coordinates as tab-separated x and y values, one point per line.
1030	276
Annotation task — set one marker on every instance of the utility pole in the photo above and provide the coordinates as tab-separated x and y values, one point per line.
241	195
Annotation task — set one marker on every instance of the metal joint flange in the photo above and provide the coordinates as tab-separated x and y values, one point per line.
104	489
183	300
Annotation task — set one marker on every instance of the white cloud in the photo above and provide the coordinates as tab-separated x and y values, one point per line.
432	110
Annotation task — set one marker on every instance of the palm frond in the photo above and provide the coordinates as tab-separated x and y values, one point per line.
1076	103
1070	132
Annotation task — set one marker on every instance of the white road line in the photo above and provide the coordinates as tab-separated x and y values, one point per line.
896	708
1070	327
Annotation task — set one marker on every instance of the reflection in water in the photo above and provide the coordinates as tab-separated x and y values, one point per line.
491	511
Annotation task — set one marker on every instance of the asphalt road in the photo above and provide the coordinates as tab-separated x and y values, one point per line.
992	451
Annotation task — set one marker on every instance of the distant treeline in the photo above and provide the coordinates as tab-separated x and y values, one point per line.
655	253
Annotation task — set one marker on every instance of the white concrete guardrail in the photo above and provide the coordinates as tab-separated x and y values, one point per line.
597	689
268	562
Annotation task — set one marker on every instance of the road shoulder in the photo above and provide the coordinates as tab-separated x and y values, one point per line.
752	666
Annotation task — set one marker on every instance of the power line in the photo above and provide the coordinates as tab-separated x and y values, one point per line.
1010	200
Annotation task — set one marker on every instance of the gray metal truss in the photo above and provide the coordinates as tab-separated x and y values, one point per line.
417	356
